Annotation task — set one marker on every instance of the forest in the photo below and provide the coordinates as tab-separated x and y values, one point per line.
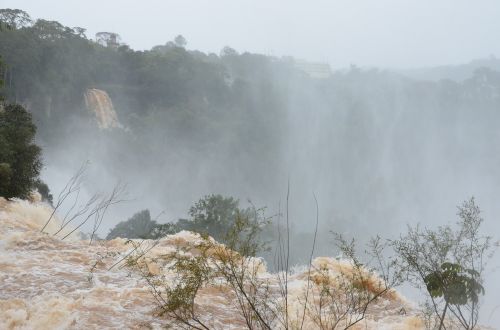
240	125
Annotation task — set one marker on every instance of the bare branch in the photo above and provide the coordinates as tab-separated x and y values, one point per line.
73	185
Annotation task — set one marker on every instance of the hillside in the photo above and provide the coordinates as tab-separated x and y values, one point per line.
455	73
369	143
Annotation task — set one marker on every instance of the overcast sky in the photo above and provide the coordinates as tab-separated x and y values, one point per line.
383	33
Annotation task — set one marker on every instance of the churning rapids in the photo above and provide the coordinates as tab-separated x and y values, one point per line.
49	283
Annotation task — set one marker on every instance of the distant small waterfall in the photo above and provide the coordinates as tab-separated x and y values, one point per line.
100	104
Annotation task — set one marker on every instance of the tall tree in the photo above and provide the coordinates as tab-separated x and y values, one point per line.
15	18
180	41
20	161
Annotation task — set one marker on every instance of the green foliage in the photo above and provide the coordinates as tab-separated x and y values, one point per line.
2	70
337	300
4	26
193	273
212	215
14	18
139	225
231	114
19	156
208	264
456	285
180	41
44	191
5	174
221	218
449	262
177	95
341	298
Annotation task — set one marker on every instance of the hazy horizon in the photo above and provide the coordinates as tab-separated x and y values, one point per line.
385	34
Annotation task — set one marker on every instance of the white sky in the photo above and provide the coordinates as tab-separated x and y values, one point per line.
384	33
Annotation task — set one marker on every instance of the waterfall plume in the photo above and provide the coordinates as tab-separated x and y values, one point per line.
99	102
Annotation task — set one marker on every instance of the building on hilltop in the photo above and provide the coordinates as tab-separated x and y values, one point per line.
315	70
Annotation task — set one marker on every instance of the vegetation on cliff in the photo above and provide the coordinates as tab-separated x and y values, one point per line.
20	157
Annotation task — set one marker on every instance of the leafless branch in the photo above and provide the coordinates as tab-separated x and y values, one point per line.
72	186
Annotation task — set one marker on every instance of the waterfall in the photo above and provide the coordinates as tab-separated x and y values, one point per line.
100	104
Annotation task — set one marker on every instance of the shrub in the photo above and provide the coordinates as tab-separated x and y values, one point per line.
449	263
212	215
139	225
44	191
209	264
261	302
20	162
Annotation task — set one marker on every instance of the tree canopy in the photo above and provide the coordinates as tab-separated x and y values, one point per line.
139	225
20	160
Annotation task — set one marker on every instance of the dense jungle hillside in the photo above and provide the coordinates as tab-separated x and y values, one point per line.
242	125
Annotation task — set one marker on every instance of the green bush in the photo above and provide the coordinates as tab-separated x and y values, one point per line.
20	161
449	263
139	225
212	215
5	175
44	191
